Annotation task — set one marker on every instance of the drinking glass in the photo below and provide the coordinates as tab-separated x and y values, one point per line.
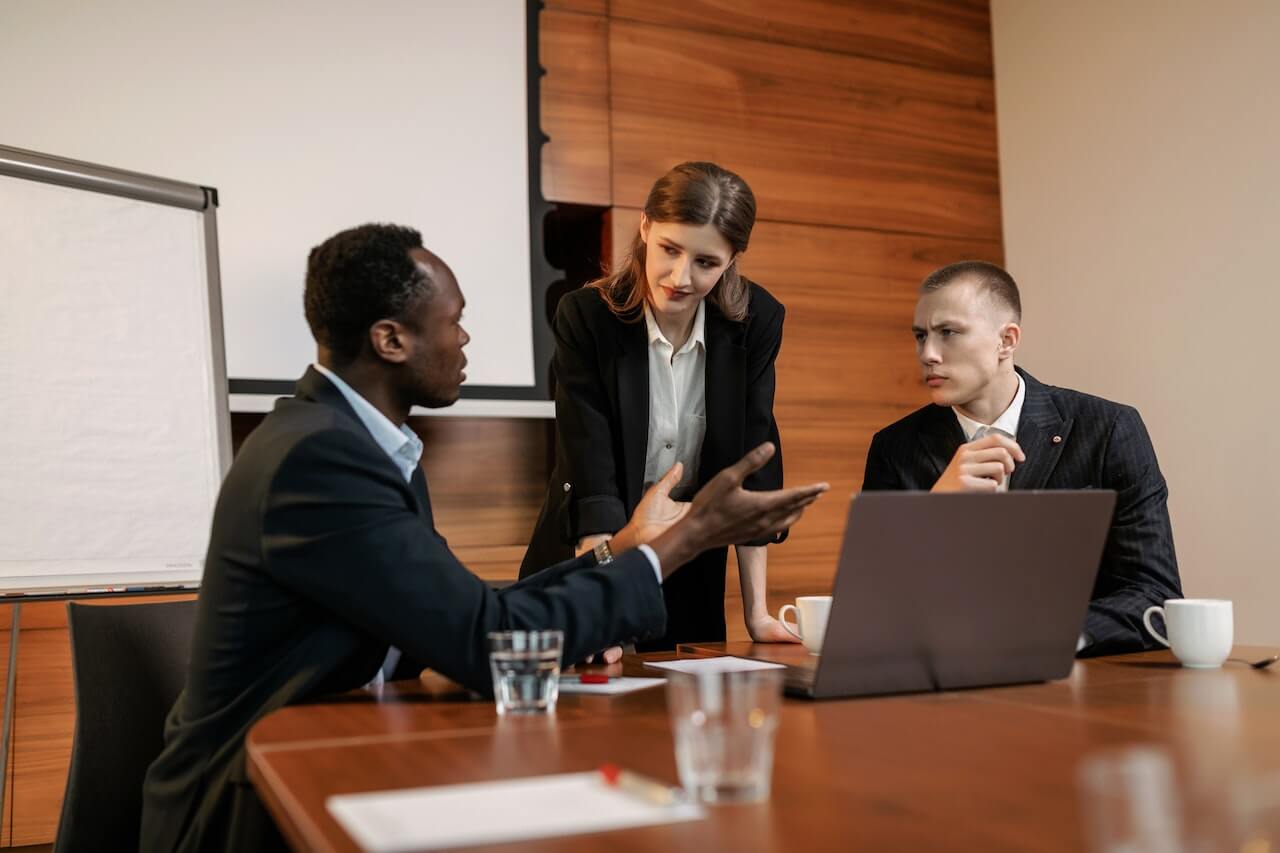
526	670
724	729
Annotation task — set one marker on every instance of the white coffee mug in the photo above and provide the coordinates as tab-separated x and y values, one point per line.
811	620
1200	631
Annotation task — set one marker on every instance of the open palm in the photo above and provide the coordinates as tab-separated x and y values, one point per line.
657	510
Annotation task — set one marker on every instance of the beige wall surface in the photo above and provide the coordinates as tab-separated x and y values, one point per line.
1140	176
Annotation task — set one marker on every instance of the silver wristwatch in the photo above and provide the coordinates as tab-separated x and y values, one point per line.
602	553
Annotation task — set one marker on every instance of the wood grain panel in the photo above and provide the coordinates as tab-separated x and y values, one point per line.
590	7
6	817
847	368
574	50
44	720
822	138
946	35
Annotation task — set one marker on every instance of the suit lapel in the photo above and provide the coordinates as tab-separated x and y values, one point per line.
1042	433
633	405
725	389
418	485
940	439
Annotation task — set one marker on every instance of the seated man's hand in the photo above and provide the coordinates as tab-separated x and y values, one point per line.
981	466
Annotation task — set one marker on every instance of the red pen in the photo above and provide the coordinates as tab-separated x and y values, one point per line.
593	678
640	786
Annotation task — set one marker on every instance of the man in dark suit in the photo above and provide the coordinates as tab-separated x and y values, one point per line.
325	569
993	427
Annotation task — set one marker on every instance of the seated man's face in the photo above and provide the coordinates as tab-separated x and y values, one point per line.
958	341
435	366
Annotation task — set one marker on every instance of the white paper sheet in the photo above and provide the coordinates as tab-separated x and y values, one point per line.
713	665
622	684
495	812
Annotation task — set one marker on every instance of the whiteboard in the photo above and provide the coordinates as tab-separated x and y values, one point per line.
111	371
309	119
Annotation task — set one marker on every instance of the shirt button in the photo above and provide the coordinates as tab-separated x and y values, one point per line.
566	487
669	445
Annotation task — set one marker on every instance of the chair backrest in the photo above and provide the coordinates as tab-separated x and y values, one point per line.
129	663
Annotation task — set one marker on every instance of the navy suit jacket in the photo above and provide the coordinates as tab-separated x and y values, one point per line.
1099	444
320	557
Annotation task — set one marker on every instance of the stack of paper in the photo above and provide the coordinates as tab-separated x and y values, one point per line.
495	812
713	665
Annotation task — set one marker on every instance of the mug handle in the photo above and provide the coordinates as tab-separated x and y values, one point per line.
782	612
1146	620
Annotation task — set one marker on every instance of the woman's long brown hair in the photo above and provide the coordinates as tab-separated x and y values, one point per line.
689	194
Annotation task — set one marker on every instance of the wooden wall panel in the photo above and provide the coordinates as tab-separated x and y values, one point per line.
6	808
823	138
44	721
946	35
575	107
487	478
591	7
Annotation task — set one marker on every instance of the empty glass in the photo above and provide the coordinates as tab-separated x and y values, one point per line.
724	728
1131	802
526	670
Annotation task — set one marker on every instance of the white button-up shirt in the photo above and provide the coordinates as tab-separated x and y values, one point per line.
1006	424
677	402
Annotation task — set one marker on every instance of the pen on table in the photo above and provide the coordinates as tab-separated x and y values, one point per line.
593	678
641	786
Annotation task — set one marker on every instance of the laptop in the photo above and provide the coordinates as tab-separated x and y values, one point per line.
940	592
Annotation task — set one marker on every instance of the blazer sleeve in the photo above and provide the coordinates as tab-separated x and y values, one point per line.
879	474
586	428
764	341
338	530
1139	567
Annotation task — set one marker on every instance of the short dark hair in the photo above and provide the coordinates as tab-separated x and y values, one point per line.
990	278
358	277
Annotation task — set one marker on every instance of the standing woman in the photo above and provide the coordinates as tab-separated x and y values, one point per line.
667	359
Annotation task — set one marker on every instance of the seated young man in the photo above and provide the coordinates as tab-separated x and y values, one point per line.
324	565
992	426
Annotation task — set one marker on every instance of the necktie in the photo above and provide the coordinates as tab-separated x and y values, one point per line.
983	431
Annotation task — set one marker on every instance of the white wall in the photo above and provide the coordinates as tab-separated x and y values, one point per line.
1140	175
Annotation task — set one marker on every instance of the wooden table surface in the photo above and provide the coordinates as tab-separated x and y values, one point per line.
992	769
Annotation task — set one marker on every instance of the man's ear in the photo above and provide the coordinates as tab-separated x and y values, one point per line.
1010	337
389	340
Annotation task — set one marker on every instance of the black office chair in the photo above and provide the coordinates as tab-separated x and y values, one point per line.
129	663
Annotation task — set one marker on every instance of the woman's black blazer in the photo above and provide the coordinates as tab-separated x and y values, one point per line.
601	369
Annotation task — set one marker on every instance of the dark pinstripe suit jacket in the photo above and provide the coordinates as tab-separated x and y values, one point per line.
1104	446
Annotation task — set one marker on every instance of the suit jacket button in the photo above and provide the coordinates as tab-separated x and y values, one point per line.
1057	439
566	487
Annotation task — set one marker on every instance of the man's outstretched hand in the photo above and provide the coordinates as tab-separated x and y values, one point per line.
724	513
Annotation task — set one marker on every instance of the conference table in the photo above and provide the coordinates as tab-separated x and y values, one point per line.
983	769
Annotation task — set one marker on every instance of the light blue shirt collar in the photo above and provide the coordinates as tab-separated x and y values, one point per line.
400	443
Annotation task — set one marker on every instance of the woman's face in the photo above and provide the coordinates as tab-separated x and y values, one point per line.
682	263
